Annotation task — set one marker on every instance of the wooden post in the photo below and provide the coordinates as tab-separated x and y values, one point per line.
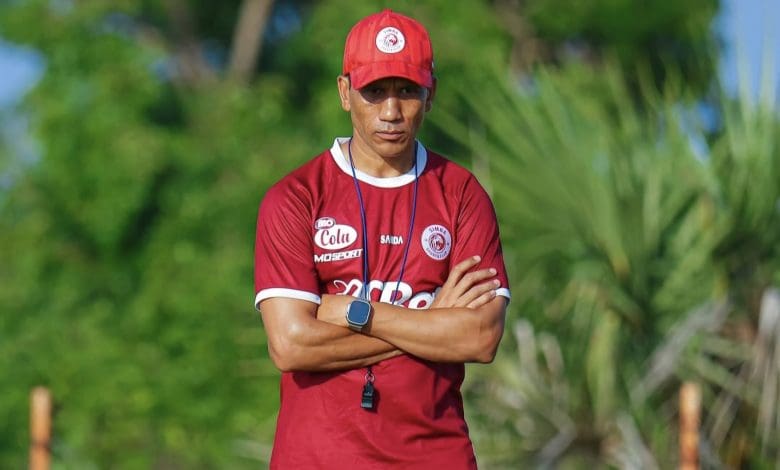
40	428
690	417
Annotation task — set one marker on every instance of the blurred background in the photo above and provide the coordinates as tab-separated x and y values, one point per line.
632	150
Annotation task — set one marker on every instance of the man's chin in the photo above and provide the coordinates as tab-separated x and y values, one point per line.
394	148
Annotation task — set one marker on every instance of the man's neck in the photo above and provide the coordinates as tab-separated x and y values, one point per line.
378	166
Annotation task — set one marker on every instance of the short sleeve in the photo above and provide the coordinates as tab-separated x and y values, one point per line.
477	233
284	257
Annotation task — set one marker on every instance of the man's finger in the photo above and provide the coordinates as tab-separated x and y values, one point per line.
471	279
483	299
457	272
475	292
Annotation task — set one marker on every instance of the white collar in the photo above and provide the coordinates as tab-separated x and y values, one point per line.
392	182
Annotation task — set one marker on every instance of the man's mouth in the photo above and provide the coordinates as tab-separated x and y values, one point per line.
390	135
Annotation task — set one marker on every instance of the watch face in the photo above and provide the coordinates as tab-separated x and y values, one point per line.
359	312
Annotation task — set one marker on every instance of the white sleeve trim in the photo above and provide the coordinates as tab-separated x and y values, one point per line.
288	293
504	292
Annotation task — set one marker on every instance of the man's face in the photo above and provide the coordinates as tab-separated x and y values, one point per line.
386	113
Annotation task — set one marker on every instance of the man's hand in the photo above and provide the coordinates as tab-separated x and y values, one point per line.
466	289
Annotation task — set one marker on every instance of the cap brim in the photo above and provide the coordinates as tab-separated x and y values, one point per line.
362	76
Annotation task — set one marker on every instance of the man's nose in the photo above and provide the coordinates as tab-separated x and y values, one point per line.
391	109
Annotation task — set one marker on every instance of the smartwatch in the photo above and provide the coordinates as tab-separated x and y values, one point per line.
358	314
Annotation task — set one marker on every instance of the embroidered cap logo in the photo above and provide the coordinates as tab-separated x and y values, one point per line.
390	40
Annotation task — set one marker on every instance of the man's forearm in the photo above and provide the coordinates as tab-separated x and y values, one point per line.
297	341
456	334
327	347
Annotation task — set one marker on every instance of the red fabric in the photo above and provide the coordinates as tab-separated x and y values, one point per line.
418	421
388	44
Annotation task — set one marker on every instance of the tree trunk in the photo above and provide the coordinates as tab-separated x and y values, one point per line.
248	38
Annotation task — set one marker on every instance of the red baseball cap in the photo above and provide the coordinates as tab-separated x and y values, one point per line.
388	44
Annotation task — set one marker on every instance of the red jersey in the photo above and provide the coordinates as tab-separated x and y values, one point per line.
309	242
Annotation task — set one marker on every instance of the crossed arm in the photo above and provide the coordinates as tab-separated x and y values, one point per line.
464	324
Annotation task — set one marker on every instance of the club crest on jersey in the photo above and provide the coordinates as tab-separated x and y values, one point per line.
333	236
436	241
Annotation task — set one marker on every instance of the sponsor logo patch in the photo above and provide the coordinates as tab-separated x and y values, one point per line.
391	240
324	222
338	256
436	241
385	291
333	236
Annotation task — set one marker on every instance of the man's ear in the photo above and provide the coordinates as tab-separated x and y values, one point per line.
343	83
431	94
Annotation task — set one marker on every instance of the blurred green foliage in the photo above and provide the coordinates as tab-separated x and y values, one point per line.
645	254
632	234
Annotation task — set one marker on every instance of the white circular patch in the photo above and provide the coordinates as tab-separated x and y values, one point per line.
436	241
390	40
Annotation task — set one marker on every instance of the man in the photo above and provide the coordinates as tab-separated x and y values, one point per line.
378	272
